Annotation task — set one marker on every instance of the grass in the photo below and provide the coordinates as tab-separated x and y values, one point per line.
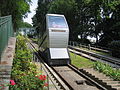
80	61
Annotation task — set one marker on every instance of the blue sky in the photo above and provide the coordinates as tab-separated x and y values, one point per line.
32	9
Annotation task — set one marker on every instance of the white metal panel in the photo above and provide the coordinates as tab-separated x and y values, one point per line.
58	39
59	53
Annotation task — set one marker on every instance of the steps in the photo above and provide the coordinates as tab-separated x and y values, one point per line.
100	76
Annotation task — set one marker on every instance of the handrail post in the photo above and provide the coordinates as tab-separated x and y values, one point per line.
48	81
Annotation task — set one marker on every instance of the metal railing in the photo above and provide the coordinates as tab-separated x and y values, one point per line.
38	59
6	31
42	68
90	47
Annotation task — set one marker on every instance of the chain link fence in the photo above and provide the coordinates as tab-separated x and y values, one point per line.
6	31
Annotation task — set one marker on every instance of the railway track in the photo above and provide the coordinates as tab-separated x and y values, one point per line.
54	78
75	79
93	56
98	48
85	79
71	78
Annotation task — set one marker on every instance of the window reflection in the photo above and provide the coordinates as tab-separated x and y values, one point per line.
56	22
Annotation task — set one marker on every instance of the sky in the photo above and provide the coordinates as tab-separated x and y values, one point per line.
32	9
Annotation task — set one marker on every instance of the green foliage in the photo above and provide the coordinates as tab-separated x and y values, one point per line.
69	9
115	48
108	70
85	17
69	5
24	70
39	17
25	25
21	43
17	8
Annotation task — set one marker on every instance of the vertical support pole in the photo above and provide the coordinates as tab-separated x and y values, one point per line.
75	55
40	66
48	81
73	44
89	47
70	43
33	57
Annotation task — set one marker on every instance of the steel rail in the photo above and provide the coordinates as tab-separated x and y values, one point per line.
98	83
101	57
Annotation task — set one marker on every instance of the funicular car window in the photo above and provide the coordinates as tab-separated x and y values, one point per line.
56	22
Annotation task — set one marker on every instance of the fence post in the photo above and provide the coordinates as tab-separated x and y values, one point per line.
89	47
73	44
48	81
70	43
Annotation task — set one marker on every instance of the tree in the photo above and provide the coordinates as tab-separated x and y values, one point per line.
83	18
67	8
25	25
96	18
39	17
17	8
110	22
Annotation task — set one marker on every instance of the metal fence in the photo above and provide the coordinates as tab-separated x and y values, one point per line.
6	31
49	81
42	66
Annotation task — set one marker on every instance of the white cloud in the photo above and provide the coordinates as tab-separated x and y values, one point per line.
32	9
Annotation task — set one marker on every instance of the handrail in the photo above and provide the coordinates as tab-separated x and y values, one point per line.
4	22
48	75
44	65
6	16
72	43
42	41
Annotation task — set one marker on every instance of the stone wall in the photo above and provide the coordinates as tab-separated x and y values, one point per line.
6	62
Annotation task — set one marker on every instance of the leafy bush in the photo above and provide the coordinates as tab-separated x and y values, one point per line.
24	70
108	70
115	48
